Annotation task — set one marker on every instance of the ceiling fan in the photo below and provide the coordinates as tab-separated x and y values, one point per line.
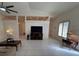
6	8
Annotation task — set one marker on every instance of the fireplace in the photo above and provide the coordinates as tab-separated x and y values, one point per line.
36	33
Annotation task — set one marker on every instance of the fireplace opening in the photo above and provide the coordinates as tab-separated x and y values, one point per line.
36	33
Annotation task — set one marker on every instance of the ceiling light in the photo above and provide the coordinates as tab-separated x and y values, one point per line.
2	9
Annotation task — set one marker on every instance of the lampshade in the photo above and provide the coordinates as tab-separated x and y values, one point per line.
9	31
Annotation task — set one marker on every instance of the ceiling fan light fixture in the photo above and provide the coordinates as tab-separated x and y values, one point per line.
2	9
6	8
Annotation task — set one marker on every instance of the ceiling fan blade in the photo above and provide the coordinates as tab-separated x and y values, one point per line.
7	11
9	6
12	10
2	3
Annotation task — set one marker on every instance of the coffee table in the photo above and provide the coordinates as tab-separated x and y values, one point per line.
14	43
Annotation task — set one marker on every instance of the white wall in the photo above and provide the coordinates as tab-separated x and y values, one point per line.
13	25
2	33
45	25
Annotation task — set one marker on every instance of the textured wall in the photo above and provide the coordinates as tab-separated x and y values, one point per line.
12	23
2	32
72	16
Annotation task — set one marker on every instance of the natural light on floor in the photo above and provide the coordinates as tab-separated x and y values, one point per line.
65	50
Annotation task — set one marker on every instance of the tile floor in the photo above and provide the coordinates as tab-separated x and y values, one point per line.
49	47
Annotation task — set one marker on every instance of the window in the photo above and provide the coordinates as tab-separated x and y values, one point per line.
63	29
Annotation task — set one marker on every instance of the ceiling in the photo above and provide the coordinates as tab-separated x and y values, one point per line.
40	8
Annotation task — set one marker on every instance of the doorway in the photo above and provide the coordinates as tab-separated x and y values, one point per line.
21	22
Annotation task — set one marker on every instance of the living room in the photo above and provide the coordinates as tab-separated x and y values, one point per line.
44	16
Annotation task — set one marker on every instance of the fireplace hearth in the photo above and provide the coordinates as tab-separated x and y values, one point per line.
36	33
